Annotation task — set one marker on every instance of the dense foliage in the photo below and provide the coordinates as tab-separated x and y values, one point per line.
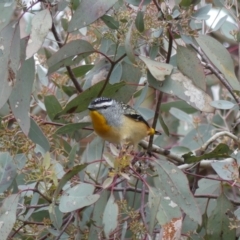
176	62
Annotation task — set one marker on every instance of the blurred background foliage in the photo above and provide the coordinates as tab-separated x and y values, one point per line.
176	62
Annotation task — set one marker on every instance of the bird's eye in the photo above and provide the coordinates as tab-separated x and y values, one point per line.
105	107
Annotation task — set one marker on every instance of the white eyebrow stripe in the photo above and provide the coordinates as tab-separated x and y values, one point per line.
102	104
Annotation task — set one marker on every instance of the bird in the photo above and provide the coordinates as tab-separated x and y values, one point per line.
117	122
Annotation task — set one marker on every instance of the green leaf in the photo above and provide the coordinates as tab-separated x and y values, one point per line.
220	57
221	151
8	171
158	69
218	223
179	85
37	136
110	216
70	128
21	94
52	106
88	12
41	23
79	196
110	22
81	70
128	45
222	104
66	178
189	64
173	185
65	56
8	213
139	22
86	97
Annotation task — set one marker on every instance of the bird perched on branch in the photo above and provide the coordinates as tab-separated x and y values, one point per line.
117	122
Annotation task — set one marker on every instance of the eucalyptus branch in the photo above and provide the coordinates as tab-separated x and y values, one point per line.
162	151
214	138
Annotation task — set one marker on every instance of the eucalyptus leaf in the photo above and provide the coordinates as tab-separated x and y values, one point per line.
222	104
110	216
220	57
89	11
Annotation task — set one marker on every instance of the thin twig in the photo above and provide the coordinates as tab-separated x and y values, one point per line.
66	225
113	64
69	70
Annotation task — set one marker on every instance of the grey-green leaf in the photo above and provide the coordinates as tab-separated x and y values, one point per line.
21	94
77	197
41	23
173	184
8	215
89	11
6	13
218	223
110	216
69	54
128	45
8	171
189	64
220	57
37	136
222	104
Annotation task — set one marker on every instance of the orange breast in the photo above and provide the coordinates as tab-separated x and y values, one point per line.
101	127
